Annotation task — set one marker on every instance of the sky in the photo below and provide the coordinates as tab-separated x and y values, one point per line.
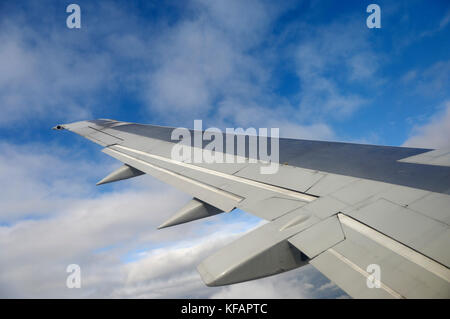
311	68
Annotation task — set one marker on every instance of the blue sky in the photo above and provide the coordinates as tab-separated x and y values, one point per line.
384	81
311	68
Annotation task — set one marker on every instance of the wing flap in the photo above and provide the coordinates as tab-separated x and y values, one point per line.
319	237
262	252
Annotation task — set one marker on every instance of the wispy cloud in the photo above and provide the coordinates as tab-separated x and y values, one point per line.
430	81
41	76
434	133
39	179
342	49
441	26
211	58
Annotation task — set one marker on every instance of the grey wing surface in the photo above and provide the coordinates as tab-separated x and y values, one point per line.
373	219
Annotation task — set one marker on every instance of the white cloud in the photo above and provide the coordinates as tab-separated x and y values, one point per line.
37	179
431	81
205	65
253	115
34	254
340	48
444	21
435	133
208	67
42	77
205	59
435	80
49	72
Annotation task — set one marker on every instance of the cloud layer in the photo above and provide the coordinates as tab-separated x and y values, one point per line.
218	57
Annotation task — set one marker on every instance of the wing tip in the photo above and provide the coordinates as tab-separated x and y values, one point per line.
58	127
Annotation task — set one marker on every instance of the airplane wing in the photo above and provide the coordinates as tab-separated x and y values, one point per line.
373	219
